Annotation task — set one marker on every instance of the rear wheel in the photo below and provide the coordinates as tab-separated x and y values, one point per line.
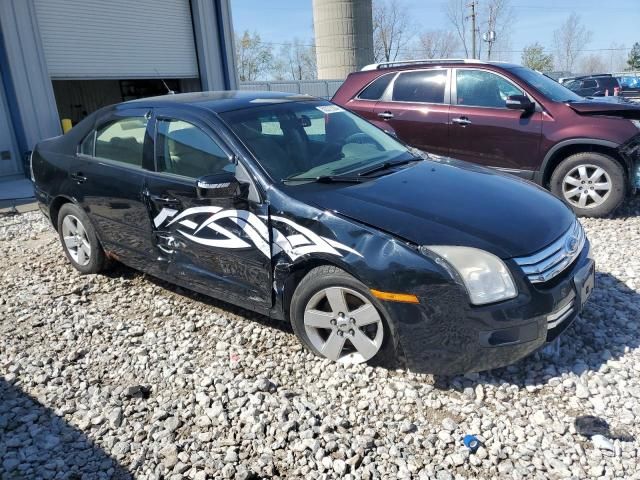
334	316
592	184
79	240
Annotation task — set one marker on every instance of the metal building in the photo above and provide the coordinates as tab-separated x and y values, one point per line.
66	58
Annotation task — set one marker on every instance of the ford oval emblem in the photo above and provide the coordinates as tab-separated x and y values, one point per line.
571	245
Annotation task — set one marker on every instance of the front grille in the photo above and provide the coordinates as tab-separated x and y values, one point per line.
561	314
552	260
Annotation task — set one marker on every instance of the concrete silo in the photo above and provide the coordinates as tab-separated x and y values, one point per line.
344	36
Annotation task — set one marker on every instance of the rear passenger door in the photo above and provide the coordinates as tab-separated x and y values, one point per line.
216	245
109	172
415	107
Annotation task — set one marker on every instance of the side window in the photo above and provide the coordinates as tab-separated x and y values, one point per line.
479	88
376	88
86	147
184	149
423	86
122	140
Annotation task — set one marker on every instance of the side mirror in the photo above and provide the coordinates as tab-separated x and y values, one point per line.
520	102
221	185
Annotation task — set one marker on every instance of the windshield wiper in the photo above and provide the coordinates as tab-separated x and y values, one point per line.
326	179
387	165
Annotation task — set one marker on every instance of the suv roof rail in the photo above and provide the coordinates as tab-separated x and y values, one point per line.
398	63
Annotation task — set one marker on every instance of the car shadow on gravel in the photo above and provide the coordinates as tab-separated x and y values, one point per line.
607	328
37	443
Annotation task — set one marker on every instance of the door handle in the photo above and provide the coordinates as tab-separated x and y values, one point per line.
385	115
78	177
463	121
163	199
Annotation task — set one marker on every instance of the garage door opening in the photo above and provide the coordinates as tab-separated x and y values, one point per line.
76	99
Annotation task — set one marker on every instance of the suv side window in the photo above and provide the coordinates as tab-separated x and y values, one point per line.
186	150
376	88
479	88
122	140
425	86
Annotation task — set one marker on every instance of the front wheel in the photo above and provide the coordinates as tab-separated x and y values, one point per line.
334	316
592	184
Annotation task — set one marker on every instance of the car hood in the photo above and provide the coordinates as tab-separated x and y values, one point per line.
450	202
612	108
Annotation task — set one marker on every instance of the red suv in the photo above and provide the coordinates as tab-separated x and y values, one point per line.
510	118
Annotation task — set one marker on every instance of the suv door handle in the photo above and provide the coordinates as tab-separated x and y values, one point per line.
78	177
385	115
463	121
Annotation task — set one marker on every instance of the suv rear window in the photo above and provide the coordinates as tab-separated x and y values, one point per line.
376	88
423	86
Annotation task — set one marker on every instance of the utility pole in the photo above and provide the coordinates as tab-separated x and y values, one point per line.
473	28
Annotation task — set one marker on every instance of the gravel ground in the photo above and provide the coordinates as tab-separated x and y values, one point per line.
123	375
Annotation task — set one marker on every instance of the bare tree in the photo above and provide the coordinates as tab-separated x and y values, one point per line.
392	30
569	40
253	58
437	44
494	15
593	63
297	61
497	16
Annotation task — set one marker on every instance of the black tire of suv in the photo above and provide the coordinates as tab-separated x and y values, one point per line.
330	276
609	165
97	260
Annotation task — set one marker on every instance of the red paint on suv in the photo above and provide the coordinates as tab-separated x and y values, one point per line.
510	118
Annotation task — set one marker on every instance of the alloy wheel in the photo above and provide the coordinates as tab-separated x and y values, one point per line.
343	325
586	186
75	240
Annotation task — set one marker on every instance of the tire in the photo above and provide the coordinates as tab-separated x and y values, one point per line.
319	329
83	251
573	174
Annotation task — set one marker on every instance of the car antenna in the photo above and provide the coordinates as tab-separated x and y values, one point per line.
169	91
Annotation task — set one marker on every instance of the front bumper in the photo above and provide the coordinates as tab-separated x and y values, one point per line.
446	335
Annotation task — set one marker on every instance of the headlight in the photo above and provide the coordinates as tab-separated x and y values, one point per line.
636	123
485	276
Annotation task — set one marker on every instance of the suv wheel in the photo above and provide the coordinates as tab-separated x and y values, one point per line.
79	240
593	184
335	317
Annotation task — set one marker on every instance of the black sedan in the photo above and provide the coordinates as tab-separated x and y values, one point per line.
297	209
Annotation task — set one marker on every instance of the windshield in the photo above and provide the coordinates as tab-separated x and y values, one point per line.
547	86
310	139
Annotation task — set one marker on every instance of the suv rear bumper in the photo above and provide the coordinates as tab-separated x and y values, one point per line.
445	335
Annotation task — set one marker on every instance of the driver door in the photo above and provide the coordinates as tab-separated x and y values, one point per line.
212	241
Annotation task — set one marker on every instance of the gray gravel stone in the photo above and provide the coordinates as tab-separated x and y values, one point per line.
119	376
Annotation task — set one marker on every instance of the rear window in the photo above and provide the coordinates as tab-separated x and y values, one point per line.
422	86
608	82
376	88
122	140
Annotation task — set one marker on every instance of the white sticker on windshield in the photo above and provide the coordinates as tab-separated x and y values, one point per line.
330	109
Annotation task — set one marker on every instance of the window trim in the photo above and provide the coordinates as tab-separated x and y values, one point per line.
387	97
454	88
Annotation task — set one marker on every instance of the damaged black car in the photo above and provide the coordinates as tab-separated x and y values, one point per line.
297	209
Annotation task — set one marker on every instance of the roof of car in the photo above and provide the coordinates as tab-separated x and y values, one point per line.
221	101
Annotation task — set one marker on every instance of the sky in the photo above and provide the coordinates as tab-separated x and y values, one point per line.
615	21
